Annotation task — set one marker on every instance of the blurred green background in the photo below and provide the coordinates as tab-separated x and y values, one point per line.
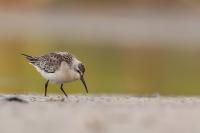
142	51
109	69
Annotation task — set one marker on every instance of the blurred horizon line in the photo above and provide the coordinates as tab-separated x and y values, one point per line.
95	4
161	27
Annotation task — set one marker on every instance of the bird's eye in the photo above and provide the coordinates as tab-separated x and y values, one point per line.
77	70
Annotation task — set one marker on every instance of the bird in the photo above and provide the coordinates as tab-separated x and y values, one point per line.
58	68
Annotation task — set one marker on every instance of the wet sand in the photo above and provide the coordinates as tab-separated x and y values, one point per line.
101	114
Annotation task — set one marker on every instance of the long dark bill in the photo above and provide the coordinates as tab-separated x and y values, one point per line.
83	81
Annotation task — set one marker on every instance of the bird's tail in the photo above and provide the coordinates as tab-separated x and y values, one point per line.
31	59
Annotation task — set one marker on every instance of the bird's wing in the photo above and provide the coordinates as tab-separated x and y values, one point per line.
49	63
52	61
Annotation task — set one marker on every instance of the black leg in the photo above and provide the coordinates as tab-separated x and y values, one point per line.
61	87
46	86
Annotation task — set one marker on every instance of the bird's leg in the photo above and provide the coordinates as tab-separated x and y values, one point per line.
61	87
46	86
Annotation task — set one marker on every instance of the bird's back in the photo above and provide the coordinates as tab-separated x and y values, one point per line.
50	62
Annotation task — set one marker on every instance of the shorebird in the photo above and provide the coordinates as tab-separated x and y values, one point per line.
58	68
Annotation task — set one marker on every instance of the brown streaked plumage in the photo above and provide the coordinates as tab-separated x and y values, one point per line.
51	62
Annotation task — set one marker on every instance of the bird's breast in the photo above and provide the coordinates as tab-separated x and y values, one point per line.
62	75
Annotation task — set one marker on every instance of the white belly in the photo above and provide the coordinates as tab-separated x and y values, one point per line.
63	75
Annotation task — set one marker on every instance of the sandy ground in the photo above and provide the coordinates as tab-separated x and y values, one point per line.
101	114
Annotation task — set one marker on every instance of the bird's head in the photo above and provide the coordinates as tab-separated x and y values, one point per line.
80	69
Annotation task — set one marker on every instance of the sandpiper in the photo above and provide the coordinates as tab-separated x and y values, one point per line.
58	68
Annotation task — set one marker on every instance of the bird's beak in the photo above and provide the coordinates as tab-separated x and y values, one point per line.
83	81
